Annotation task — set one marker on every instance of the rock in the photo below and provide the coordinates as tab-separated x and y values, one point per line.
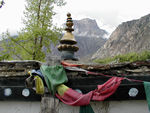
131	36
88	28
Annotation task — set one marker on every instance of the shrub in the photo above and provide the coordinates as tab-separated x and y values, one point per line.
129	57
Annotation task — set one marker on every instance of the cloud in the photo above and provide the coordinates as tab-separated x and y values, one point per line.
10	15
108	13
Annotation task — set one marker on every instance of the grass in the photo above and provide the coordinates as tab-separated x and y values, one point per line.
130	57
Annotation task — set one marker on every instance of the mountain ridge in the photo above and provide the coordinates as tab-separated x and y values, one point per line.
89	28
89	38
130	36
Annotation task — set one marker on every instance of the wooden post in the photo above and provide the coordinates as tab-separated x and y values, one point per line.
49	104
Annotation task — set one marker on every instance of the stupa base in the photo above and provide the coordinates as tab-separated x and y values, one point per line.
68	55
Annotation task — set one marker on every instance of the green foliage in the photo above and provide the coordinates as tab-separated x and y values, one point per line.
104	61
3	57
130	57
38	33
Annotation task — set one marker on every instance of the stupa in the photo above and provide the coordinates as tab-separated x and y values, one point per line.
67	45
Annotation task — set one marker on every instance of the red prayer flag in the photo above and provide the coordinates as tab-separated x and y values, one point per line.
74	98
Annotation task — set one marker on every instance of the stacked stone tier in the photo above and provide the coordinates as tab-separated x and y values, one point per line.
67	47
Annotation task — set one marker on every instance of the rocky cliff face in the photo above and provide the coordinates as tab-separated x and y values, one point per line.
88	46
131	36
88	28
89	37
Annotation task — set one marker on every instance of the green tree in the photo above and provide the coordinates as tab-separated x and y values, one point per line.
38	33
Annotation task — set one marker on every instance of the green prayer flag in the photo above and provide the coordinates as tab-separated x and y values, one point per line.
86	109
54	76
147	92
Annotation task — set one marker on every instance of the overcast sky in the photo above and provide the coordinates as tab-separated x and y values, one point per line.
108	13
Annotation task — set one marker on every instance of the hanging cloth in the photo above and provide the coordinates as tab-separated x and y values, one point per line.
86	109
38	73
61	89
54	76
39	85
107	89
147	91
74	98
35	80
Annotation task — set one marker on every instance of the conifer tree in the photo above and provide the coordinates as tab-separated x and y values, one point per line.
34	40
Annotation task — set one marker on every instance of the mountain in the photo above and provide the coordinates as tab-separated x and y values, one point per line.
131	36
88	45
88	28
89	38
